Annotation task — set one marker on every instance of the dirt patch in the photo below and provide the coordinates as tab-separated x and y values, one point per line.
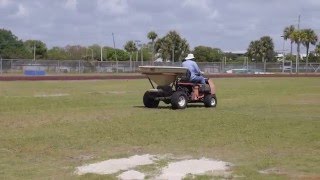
51	95
178	170
174	170
129	175
115	165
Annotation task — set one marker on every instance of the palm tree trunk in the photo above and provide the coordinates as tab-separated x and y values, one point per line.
291	48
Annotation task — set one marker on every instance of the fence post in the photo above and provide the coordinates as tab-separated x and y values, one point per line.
79	64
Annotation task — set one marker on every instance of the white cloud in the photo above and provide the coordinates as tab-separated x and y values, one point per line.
214	14
22	11
113	7
201	6
4	3
197	5
71	4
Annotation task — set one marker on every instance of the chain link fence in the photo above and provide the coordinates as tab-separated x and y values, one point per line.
21	66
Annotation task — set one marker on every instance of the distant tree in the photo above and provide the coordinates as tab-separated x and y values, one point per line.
39	46
130	47
172	46
287	35
308	37
152	36
207	54
262	49
57	53
10	46
253	50
75	52
267	48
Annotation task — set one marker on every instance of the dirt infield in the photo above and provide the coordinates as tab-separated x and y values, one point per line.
134	76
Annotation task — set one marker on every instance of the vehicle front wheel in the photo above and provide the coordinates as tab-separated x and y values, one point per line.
149	100
179	100
210	100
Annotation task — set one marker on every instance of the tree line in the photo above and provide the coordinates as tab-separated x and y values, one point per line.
170	47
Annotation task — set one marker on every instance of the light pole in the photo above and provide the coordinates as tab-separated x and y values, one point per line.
298	48
141	51
115	51
34	51
283	54
101	57
137	42
1	64
172	54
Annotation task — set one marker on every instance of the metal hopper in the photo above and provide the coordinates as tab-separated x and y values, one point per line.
162	75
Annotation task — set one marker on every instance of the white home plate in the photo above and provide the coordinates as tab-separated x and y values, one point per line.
178	170
114	165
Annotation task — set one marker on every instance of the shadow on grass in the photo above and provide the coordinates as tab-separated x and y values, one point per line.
169	107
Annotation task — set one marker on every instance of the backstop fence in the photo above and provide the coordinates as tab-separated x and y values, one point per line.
21	66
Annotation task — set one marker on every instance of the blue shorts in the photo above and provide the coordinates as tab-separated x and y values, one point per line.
199	79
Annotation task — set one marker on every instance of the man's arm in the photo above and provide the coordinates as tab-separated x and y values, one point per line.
197	69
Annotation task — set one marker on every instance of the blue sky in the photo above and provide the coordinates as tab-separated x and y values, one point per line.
229	25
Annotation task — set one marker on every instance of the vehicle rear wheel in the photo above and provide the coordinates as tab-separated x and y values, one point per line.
210	100
179	100
149	100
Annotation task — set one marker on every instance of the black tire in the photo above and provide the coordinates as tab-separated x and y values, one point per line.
210	100
149	101
179	100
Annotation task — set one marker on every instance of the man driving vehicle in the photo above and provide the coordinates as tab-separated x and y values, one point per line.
195	77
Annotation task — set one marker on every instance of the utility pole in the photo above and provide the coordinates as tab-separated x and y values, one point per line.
34	51
1	64
283	54
172	55
137	45
101	54
141	51
298	48
115	51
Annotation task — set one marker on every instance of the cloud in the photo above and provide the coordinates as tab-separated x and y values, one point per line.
22	12
71	4
113	7
4	3
228	24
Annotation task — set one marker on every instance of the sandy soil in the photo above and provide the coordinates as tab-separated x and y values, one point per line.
174	171
115	165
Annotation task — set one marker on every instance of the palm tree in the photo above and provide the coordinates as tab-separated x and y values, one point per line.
152	36
130	47
297	36
266	49
308	37
287	34
253	50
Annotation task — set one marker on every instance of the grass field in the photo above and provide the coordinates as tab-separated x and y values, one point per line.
49	128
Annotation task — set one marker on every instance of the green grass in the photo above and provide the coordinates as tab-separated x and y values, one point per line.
259	124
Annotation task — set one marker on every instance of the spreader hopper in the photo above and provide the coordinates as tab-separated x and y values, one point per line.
163	75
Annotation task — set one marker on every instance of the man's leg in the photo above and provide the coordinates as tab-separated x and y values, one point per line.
199	79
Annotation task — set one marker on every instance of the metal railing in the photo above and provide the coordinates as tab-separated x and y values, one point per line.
20	66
